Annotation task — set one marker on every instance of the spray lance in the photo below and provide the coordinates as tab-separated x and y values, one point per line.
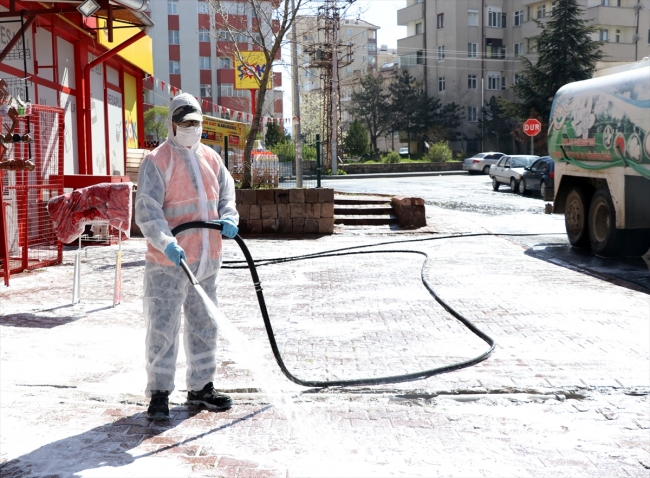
340	252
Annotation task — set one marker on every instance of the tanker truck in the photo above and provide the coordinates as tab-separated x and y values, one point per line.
599	139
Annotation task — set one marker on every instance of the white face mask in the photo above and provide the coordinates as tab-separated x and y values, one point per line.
188	136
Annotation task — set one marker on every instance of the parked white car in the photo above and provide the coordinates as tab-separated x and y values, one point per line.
481	162
509	170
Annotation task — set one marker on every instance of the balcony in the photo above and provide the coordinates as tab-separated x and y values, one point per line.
410	14
410	44
530	29
619	51
615	16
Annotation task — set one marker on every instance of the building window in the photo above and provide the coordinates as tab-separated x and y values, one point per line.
349	69
363	46
541	11
372	47
174	67
418	29
172	7
648	37
494	48
419	57
618	36
472	50
503	83
204	35
472	117
496	18
441	53
471	82
363	33
604	34
204	7
472	18
172	35
225	89
204	63
441	84
532	45
519	49
363	58
349	32
206	91
363	71
519	18
518	78
441	20
604	3
224	63
494	81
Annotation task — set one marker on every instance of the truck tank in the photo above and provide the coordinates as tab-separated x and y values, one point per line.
599	139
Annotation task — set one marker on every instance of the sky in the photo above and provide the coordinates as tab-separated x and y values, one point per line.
382	13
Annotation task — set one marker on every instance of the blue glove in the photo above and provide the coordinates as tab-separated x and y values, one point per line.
175	253
228	226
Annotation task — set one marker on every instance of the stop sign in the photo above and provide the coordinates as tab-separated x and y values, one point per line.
532	127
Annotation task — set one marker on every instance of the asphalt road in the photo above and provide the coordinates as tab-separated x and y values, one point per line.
503	211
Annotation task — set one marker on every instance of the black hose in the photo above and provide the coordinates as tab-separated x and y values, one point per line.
340	252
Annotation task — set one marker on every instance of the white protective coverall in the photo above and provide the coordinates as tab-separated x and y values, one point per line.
176	185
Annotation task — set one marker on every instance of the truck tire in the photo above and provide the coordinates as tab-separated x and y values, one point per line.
606	239
575	218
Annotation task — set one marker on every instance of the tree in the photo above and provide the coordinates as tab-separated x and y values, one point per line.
356	139
410	107
495	125
271	20
566	53
371	106
274	135
155	121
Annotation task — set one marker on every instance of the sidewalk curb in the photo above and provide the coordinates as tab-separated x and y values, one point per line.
396	175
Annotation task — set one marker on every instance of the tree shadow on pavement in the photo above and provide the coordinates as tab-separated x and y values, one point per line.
109	446
35	321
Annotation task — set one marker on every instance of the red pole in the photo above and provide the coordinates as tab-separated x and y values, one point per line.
253	105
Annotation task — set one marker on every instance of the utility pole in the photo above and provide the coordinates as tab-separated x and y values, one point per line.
325	56
335	89
297	139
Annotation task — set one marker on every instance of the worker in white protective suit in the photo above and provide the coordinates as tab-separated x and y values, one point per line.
180	181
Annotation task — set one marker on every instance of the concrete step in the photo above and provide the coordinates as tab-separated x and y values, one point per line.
365	220
360	202
358	210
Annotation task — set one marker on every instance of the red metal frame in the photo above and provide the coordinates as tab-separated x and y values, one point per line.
36	244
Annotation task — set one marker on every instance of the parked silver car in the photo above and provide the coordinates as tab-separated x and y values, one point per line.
481	162
509	169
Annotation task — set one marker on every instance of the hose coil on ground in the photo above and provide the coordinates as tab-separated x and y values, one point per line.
252	266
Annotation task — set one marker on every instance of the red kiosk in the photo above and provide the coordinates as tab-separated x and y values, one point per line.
81	65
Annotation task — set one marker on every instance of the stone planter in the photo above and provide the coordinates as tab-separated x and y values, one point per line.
285	211
402	167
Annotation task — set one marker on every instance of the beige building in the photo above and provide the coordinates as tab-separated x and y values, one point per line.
467	50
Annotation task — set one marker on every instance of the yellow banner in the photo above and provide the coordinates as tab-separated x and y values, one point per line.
140	54
248	73
214	130
130	111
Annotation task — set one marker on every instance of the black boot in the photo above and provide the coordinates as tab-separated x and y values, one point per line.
159	405
210	398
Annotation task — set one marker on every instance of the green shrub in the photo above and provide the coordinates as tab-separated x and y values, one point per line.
308	152
285	150
391	157
439	152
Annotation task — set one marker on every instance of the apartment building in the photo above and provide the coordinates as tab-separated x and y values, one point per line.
467	51
358	37
193	48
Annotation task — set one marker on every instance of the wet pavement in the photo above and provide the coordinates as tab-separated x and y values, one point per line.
566	392
473	194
